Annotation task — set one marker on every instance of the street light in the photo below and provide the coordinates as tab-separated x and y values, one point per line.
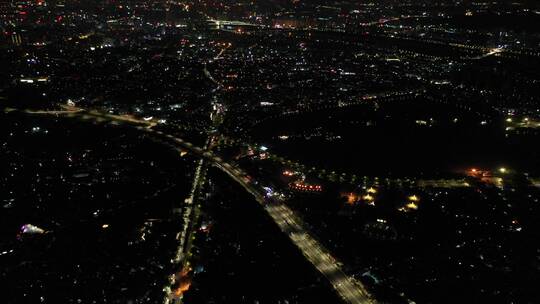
414	198
368	197
372	190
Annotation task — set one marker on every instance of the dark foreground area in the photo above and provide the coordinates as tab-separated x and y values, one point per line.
82	222
243	257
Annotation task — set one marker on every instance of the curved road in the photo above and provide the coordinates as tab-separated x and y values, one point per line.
348	288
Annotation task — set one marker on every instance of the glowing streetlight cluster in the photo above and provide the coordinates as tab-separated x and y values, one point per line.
411	205
305	187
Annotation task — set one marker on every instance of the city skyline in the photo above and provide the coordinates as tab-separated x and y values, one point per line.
269	151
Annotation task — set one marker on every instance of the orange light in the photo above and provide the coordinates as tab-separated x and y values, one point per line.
182	288
351	198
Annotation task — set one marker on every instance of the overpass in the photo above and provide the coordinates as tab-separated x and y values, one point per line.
347	287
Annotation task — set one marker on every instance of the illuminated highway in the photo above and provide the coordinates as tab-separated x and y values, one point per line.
349	289
189	214
490	52
221	24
